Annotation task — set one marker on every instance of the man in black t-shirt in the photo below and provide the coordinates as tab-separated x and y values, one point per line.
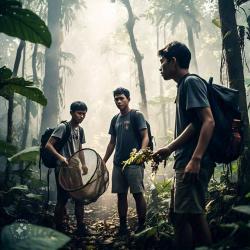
193	130
124	139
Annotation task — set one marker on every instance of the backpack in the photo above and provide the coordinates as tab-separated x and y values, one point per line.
226	143
48	159
137	131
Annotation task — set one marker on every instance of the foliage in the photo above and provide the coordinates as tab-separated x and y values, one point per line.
23	23
10	85
33	237
138	157
7	149
28	155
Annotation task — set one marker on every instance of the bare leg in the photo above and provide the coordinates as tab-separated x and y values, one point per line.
122	208
141	208
201	231
183	232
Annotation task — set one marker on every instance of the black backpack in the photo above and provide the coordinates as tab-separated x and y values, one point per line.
48	159
136	129
226	144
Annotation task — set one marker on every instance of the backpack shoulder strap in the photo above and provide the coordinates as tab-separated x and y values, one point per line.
66	135
133	114
81	133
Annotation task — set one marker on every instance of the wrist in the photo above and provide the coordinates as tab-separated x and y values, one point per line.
196	158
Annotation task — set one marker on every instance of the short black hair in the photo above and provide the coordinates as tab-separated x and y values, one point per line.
78	106
121	91
178	50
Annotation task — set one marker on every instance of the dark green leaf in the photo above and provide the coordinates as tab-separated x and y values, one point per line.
7	149
31	237
23	23
5	73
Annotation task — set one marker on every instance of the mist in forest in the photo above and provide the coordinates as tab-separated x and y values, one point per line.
104	60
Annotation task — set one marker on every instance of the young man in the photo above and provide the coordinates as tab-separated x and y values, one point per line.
123	140
193	130
74	143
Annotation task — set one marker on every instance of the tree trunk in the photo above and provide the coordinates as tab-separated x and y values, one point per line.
163	105
192	47
231	46
52	56
9	137
138	58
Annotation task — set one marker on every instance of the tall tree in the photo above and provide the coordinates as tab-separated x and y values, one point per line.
231	47
173	12
138	57
52	57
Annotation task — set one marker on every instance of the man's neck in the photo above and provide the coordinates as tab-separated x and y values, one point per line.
180	74
73	123
125	111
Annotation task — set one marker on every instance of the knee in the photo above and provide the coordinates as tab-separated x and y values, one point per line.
138	196
122	197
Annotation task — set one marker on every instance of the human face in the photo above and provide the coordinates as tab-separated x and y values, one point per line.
78	116
121	102
166	68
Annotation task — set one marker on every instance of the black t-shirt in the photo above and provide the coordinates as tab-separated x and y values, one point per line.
126	139
191	94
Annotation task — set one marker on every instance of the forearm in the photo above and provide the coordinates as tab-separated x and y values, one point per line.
109	151
52	149
206	133
145	142
182	138
82	158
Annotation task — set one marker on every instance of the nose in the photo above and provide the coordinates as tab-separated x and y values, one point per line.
160	69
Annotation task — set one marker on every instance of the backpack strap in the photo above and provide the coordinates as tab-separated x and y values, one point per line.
133	115
81	133
65	136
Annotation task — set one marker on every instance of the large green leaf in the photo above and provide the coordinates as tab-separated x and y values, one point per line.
20	236
29	154
7	149
23	23
5	73
242	209
24	88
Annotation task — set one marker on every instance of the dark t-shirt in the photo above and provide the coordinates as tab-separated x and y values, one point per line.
126	138
191	94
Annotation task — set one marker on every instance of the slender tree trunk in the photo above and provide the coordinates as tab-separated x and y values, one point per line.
9	137
138	58
192	46
52	56
163	105
230	41
27	113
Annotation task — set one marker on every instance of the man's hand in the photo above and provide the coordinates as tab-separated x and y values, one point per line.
161	154
191	172
63	161
84	170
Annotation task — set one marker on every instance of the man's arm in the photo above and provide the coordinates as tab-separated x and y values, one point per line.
166	151
144	137
50	146
206	132
110	148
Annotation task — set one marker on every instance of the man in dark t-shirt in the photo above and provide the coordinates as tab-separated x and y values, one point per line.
193	130
124	139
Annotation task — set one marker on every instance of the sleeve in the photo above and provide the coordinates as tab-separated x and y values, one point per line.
196	93
82	138
140	121
59	131
112	126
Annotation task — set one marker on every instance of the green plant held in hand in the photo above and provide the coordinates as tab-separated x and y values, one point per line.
140	157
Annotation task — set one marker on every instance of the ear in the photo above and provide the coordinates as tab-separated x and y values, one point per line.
129	98
71	112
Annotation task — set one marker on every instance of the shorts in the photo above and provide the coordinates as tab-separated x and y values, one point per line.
131	177
188	198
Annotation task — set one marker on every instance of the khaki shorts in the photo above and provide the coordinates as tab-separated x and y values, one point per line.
190	198
131	177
